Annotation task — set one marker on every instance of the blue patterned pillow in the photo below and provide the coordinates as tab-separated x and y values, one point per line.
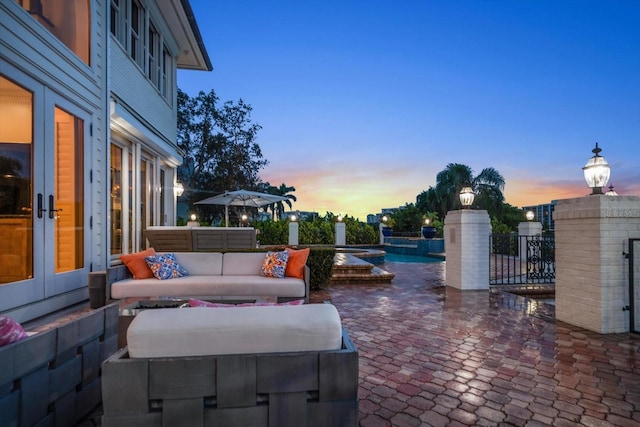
165	266
275	264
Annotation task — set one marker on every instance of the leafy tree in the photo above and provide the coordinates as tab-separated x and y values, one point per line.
488	187
218	146
407	219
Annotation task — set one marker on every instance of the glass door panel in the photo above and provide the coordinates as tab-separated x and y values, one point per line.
16	182
67	208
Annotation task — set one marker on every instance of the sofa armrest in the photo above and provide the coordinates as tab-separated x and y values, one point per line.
114	274
307	283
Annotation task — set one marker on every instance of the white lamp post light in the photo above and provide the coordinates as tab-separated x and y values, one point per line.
466	197
596	171
530	215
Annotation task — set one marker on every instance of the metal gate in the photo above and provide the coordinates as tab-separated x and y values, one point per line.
522	260
634	284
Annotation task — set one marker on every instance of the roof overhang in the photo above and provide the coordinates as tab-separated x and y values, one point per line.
182	23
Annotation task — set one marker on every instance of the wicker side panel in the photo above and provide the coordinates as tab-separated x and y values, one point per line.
169	240
277	389
54	376
208	240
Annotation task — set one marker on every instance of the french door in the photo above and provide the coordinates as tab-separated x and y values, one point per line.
43	218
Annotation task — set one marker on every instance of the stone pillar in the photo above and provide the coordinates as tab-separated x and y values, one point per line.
293	233
592	274
527	229
467	234
341	234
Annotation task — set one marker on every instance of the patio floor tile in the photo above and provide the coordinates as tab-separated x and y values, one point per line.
435	356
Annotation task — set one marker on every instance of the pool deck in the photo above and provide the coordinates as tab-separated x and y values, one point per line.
435	356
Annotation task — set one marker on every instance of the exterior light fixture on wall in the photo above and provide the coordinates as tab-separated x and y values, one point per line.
530	215
611	192
596	171
178	189
466	197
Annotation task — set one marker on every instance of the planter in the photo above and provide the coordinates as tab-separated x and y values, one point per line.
428	232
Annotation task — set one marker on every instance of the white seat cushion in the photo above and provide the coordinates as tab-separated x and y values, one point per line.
200	331
190	286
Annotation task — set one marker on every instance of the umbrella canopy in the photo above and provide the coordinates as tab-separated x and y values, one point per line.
241	198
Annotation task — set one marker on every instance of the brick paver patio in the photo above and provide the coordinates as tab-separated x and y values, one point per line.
432	356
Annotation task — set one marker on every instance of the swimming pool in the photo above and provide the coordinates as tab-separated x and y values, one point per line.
390	257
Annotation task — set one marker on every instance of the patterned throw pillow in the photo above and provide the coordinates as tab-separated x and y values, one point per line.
199	303
275	264
10	331
165	266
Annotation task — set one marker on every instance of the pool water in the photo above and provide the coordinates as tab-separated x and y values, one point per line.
389	257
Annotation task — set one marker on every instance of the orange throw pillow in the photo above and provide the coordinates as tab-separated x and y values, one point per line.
297	261
137	265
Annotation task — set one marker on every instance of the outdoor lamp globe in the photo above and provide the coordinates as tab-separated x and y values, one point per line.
178	189
193	217
596	171
427	221
466	197
530	215
339	218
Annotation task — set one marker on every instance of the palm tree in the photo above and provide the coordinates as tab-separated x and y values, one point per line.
277	209
487	186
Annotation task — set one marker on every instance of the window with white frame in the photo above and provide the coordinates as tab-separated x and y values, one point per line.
140	37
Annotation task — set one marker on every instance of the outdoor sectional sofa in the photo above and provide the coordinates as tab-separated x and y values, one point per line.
212	276
261	366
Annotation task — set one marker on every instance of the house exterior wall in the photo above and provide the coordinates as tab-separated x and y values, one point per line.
116	101
33	57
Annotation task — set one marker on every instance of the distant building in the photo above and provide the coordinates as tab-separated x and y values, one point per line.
300	215
377	218
543	214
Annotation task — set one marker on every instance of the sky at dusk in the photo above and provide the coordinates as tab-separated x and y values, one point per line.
363	102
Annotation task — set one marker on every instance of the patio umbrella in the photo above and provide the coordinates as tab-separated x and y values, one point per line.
252	199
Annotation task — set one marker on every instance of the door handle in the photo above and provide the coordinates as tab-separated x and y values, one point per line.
40	201
52	211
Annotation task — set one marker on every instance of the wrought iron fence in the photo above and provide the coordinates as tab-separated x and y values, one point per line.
521	260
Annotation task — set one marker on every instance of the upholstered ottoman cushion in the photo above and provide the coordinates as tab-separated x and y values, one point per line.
199	331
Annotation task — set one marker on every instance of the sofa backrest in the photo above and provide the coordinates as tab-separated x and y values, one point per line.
241	263
201	263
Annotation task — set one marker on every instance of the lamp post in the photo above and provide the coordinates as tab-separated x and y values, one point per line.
466	197
596	171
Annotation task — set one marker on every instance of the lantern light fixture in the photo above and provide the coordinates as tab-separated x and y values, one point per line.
596	171
466	197
193	217
427	221
293	218
178	189
339	218
530	215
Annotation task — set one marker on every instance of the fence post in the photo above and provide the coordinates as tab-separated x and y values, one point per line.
466	235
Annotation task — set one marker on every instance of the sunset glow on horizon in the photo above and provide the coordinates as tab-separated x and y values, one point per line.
362	103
